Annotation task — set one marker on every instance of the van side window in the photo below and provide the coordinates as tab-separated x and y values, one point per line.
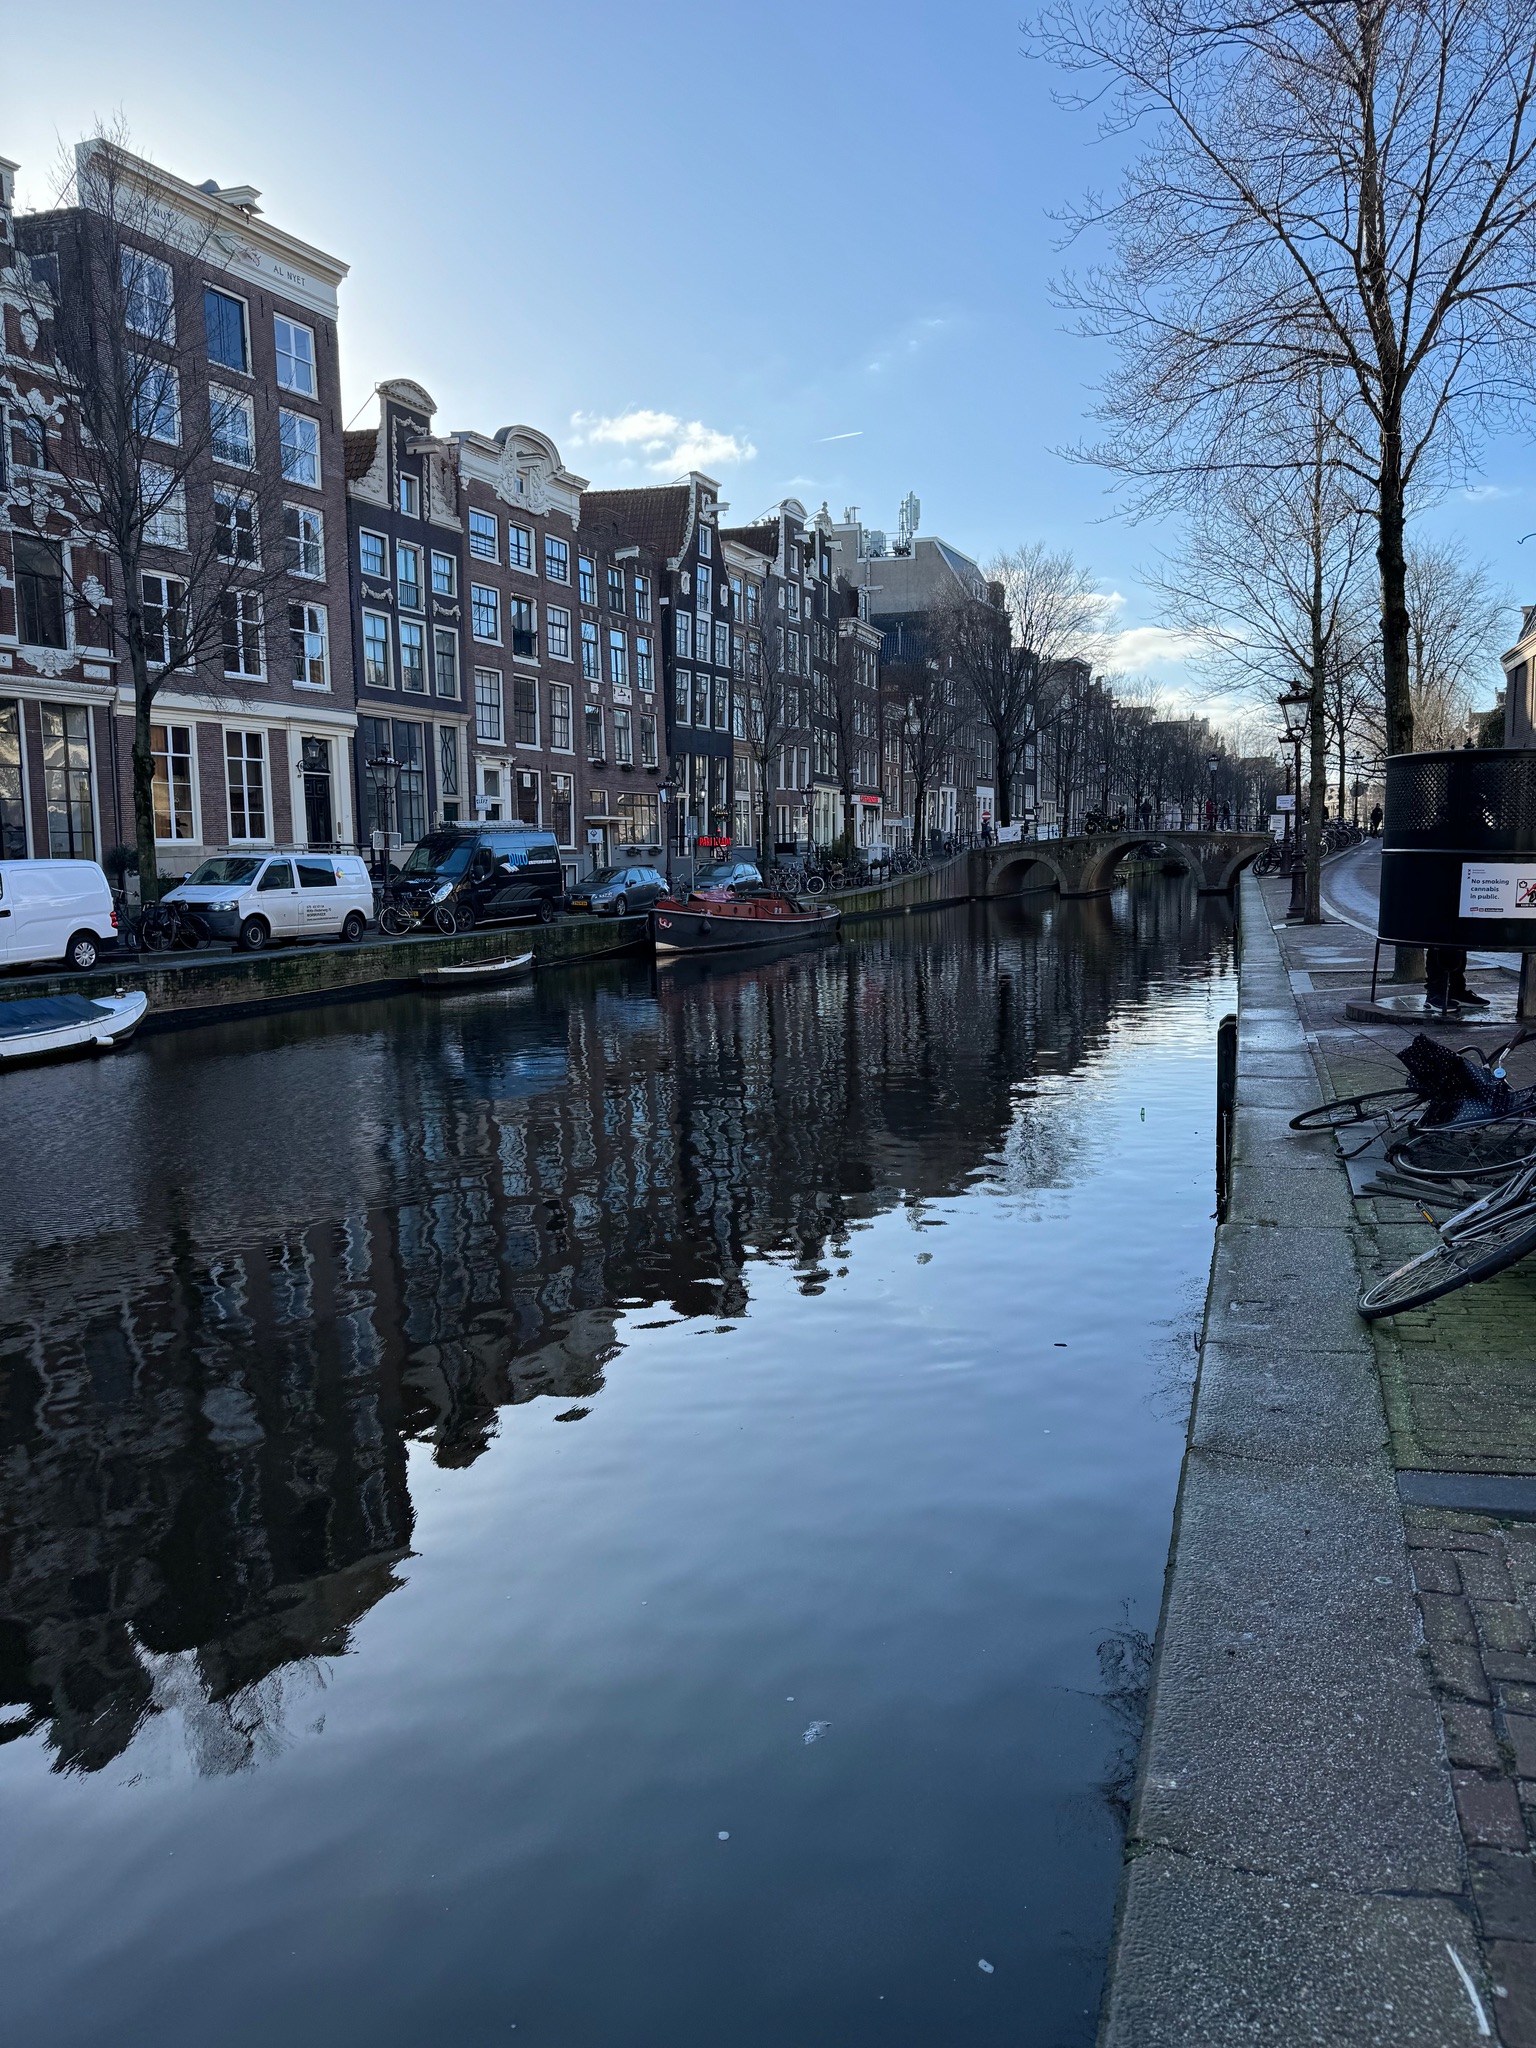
312	875
278	876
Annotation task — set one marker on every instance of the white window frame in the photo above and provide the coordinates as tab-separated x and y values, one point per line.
381	620
487	703
285	413
236	298
531	684
192	836
451	564
154	576
557	691
308	516
478	593
479	537
515	535
250	623
554	540
167	527
417	626
231	404
149	416
408	486
312	632
311	366
557	629
164	329
406	550
382	572
589	638
246	733
233	494
448	634
618	657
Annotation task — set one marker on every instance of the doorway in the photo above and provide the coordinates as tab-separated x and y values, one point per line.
319	812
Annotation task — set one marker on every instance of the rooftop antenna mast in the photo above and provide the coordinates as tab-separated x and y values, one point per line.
908	518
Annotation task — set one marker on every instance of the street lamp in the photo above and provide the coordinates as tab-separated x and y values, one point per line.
1296	710
1357	786
669	793
386	768
1213	762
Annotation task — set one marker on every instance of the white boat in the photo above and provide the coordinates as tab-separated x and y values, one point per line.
40	1026
474	973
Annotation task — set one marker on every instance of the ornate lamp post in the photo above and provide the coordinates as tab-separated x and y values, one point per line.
386	768
669	793
1357	786
1296	710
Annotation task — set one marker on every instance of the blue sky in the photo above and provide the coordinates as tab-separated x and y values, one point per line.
819	235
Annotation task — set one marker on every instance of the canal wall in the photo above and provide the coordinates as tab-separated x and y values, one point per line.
1294	1871
195	988
950	881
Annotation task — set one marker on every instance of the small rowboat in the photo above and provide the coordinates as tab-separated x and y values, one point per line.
706	924
42	1026
474	973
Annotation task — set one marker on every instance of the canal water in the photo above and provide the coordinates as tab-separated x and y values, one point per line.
627	1510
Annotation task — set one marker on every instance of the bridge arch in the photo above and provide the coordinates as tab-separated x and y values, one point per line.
1085	866
1029	865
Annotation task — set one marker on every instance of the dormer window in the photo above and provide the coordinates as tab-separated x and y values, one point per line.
706	542
410	496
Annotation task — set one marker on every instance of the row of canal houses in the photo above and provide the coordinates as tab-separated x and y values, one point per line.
451	626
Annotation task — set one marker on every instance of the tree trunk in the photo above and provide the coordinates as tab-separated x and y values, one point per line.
1317	798
1391	560
143	757
1002	795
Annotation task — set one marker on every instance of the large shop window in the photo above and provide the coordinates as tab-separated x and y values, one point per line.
245	772
171	747
13	814
39	592
67	781
639	819
448	772
411	787
394	747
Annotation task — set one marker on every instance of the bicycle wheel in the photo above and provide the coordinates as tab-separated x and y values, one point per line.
395	923
1345	1110
445	920
157	932
1453	1263
814	885
1490	1151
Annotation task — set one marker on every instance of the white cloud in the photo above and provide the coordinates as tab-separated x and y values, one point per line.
1477	494
664	443
1135	647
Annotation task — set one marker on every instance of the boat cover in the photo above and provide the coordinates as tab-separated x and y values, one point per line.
50	1013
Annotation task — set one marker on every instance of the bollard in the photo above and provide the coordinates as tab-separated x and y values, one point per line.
1226	1108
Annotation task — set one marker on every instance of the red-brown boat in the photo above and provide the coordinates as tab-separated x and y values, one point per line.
717	924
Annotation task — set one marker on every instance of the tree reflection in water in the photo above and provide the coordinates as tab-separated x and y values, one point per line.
246	1266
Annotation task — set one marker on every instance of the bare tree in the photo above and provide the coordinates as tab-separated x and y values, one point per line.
1339	184
195	552
768	707
922	707
977	636
1057	617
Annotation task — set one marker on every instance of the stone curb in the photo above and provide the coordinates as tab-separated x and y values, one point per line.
1294	1867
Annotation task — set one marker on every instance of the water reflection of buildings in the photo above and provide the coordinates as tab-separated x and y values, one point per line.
204	1410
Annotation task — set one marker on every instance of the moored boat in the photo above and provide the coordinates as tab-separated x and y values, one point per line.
715	925
38	1027
474	973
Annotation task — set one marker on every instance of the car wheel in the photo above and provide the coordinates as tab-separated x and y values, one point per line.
254	934
465	913
82	952
621	906
353	927
546	912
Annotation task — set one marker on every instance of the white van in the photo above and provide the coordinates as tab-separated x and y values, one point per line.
55	913
255	897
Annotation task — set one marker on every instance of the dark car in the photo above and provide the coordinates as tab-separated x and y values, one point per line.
500	872
728	875
614	892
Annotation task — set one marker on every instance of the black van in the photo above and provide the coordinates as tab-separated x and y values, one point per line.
500	871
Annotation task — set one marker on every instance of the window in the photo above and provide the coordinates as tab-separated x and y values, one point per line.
311	646
67	781
643	599
484	612
735	597
557	631
224	319
156	402
304	538
408	575
752	604
595	733
701	701
370	554
487	704
722	644
242	633
702	589
706	542
557	559
645	666
165	619
647	740
482	536
560	717
39	591
448	770
29	442
408	494
299	442
684	698
739	716
413	657
234	434
245	771
376	651
685	636
722	703
792	600
295	356
165	506
170	748
794	653
149	304
639	818
520	547
234	525
411	781
490	789
445	662
445	575
623	737
618	658
586	573
525	711
615	590
524	617
527	796
590	666
562	808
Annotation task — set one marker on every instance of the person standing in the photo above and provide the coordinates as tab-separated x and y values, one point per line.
1375	820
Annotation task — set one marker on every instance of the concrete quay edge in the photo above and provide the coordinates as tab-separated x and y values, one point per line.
1294	1868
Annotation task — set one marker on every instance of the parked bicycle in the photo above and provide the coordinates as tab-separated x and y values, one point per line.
407	910
168	928
1489	1234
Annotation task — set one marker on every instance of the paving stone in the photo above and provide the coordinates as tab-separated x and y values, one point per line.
1504	1893
1518	1699
1436	1571
1486	1576
1469	1736
1503	1625
1490	1811
1510	1664
1447	1619
1520	1734
1457	1669
1513	1968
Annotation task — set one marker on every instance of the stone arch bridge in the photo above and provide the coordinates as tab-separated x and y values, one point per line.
1085	866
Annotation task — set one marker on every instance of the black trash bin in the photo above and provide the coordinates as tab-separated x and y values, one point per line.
1458	850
